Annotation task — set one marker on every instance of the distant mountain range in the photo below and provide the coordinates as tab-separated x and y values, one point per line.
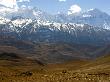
32	24
93	17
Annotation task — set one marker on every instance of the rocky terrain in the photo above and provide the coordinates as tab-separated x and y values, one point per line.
28	70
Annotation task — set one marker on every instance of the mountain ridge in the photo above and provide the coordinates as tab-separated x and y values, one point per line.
94	17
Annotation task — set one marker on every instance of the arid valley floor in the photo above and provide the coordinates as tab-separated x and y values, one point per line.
27	70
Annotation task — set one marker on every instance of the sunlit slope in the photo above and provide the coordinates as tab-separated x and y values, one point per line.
26	70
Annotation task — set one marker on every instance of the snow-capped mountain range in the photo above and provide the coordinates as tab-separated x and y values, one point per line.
92	26
93	17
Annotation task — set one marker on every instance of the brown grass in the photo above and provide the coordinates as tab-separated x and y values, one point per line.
74	71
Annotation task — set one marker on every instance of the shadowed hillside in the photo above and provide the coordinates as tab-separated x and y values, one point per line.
54	52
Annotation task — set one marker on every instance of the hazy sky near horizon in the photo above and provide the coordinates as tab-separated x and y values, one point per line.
56	6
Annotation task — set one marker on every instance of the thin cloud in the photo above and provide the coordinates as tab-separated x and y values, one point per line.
9	3
12	3
23	1
74	9
62	0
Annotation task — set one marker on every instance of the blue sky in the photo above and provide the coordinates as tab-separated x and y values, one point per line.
55	6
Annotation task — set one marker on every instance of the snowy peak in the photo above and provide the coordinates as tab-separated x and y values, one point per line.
25	12
95	13
93	17
94	10
4	20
